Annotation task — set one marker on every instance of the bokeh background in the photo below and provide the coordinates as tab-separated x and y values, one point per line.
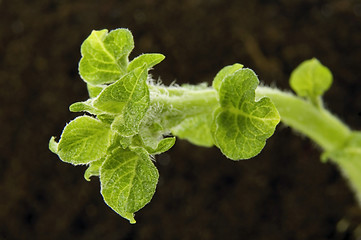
283	193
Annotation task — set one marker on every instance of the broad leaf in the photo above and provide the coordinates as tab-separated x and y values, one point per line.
105	56
129	98
241	125
128	181
130	89
196	130
83	140
311	79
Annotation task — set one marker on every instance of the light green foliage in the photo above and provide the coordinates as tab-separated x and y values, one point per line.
94	90
151	134
86	106
83	140
226	71
241	124
119	107
128	181
53	145
132	119
93	169
164	145
128	97
129	90
148	59
105	56
196	130
311	79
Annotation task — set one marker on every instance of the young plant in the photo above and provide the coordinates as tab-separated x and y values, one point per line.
130	118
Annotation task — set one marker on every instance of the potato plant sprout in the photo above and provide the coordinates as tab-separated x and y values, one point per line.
129	119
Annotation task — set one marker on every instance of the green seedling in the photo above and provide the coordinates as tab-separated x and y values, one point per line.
129	119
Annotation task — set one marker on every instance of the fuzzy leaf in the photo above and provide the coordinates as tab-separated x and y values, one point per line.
127	91
53	145
129	97
94	90
105	56
128	181
154	146
225	72
241	125
151	134
311	79
86	106
164	145
93	169
149	59
83	140
196	130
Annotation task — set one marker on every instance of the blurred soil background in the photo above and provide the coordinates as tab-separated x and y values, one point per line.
283	193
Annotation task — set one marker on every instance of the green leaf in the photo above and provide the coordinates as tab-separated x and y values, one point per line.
196	130
241	125
128	181
94	90
127	91
106	118
124	141
93	169
105	56
311	79
225	72
129	97
151	133
86	106
149	59
83	140
53	145
164	145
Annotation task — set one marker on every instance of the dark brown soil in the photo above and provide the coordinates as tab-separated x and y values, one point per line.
284	193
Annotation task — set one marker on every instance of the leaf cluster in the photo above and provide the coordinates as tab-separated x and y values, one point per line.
128	119
108	138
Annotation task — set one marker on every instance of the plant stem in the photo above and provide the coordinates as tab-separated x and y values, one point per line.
314	122
303	116
179	103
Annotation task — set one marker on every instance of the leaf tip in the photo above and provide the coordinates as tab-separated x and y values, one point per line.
87	176
129	216
53	145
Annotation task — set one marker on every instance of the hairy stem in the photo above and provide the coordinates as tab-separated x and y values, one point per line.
315	122
181	103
